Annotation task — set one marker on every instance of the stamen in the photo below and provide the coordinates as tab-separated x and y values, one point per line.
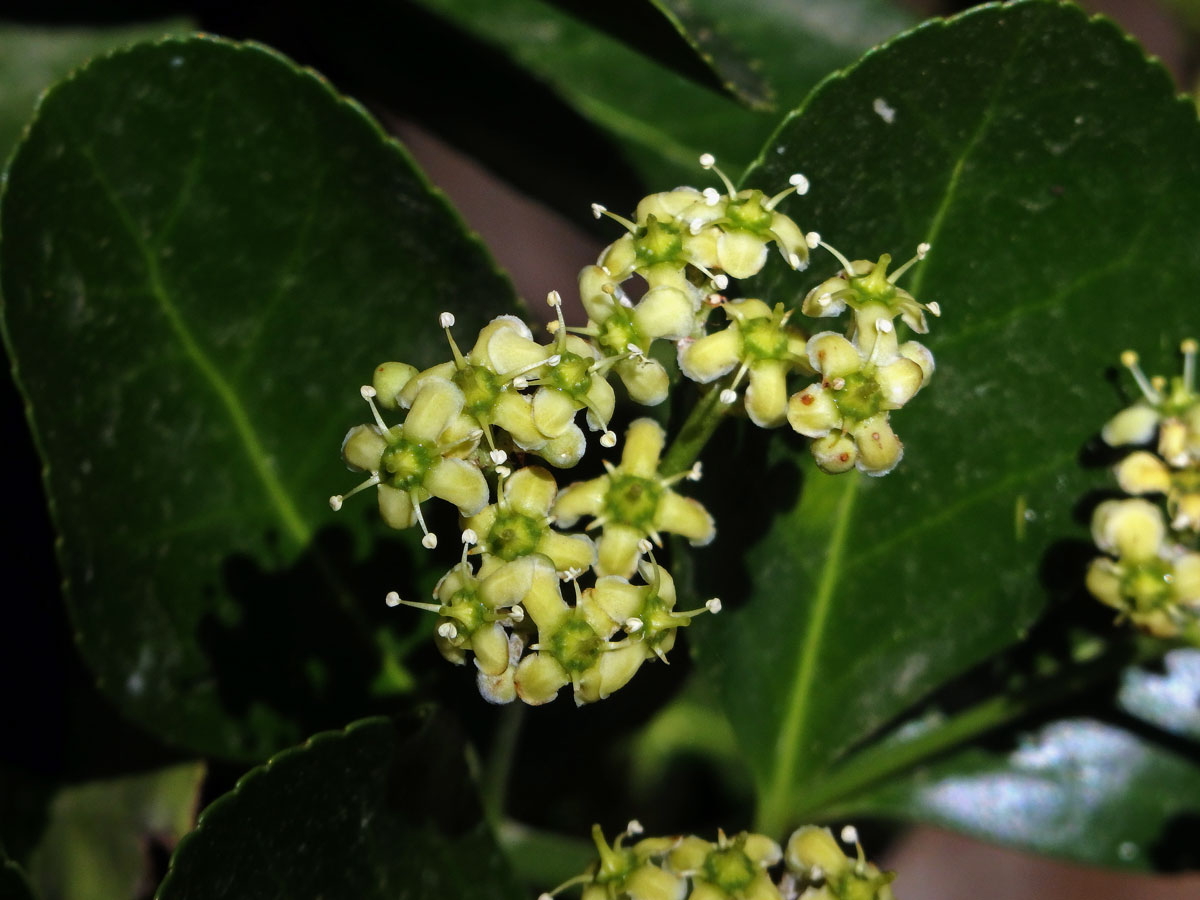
336	501
713	605
696	472
634	828
633	625
498	456
392	599
427	607
1188	348
728	396
368	394
430	540
1129	359
517	614
447	630
599	210
934	308
608	439
850	835
922	249
516	375
708	161
846	264
644	546
711	198
813	240
799	185
470	537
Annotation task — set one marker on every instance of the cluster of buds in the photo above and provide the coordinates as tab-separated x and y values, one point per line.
743	867
474	427
1152	573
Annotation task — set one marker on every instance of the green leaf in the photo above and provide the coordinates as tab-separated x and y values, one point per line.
361	813
1077	788
1055	173
95	847
32	59
205	252
660	120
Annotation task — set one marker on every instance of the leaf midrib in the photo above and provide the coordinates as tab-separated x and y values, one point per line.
289	516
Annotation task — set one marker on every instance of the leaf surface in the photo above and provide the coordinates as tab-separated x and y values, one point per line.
1054	172
362	813
205	250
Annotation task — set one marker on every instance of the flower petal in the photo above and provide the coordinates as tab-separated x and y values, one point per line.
766	397
617	550
583	498
833	356
899	381
396	507
509	351
436	405
531	491
712	356
644	442
539	678
459	482
568	551
1133	425
685	516
879	450
645	379
741	254
566	450
812	412
362	448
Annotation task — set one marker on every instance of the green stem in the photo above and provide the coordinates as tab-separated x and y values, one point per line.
494	790
887	758
699	426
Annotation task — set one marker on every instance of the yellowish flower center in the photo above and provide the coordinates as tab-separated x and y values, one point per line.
405	463
514	535
632	500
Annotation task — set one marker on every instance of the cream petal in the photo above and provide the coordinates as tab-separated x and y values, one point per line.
568	551
899	381
436	405
396	507
645	380
1104	582
619	258
879	450
1133	425
498	689
597	302
531	491
508	583
389	381
684	516
712	356
553	411
619	599
791	240
539	678
1143	473
921	355
362	448
665	312
644	441
740	253
611	672
1131	529
825	299
509	351
835	452
583	498
766	397
543	602
762	850
617	550
649	882
490	646
833	356
668	205
514	413
1187	578
602	400
566	450
813	412
410	390
811	847
460	483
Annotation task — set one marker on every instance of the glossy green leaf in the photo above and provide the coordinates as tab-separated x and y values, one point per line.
33	58
205	252
362	813
1167	696
660	120
96	845
1055	174
1077	788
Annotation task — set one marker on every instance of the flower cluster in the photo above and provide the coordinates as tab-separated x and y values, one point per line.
1152	571
743	867
483	430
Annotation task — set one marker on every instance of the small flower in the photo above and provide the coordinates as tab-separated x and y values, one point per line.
867	289
757	342
632	502
856	392
646	612
518	524
813	855
1172	409
732	869
410	462
630	871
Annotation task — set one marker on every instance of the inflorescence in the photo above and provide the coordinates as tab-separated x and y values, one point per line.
470	427
743	867
1151	573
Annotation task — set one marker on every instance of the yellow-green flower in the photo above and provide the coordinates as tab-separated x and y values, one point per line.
646	611
731	869
631	871
868	289
633	501
1170	408
813	855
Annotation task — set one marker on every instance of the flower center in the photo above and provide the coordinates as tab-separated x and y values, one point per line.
729	869
763	339
659	244
1148	584
514	535
572	375
618	332
859	398
632	500
575	645
749	213
480	389
405	463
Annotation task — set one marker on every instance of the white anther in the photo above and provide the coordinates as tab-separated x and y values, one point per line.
598	210
721	282
644	546
813	239
713	605
696	473
554	360
503	471
922	249
634	350
633	624
799	182
608	439
367	391
634	828
934	307
554	299
850	835
545	897
517	614
470	537
429	541
711	197
392	599
520	382
335	502
446	320
498	456
838	383
728	396
885	326
570	574
816	873
707	160
447	630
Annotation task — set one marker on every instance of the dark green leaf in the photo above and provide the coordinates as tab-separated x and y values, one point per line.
1169	697
1077	788
661	120
205	252
1057	177
32	59
96	845
360	813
